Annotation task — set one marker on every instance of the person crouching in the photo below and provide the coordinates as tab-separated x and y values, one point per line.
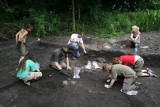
118	70
28	70
56	60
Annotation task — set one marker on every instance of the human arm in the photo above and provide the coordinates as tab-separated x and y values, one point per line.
132	37
17	34
113	78
111	83
138	36
81	44
67	62
38	70
57	65
24	34
83	47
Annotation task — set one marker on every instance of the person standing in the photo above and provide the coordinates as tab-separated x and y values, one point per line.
21	39
73	44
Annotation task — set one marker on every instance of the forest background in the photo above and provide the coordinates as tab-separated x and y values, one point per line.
101	18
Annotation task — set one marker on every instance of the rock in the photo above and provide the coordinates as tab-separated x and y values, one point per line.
101	60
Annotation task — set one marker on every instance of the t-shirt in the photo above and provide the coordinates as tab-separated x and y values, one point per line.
30	66
119	69
75	38
128	60
56	56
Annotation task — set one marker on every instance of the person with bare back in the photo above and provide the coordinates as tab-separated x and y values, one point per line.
21	39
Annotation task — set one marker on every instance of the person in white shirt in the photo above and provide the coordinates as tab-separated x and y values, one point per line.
73	44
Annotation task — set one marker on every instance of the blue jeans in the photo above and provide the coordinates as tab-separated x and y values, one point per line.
73	47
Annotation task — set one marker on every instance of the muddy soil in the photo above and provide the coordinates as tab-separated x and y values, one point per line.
88	91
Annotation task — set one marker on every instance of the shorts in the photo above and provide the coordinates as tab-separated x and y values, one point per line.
33	76
138	65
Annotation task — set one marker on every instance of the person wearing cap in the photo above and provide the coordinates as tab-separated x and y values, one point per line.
121	70
73	44
134	61
56	60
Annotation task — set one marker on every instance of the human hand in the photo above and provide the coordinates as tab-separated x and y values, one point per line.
84	51
69	68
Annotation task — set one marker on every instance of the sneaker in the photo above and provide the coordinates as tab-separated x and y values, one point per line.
152	75
130	93
27	83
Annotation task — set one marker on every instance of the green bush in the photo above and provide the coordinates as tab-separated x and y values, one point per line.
45	23
99	23
108	24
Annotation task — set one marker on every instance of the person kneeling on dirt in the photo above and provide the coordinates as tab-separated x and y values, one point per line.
28	70
121	70
56	60
135	37
134	61
73	44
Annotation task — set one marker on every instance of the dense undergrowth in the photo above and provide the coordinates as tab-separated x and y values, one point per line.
99	23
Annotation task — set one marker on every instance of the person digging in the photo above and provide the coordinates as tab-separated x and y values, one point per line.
118	70
56	60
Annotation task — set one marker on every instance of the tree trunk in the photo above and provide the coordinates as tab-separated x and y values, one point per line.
73	16
79	11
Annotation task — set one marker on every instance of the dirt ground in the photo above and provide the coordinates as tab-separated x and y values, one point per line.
88	91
